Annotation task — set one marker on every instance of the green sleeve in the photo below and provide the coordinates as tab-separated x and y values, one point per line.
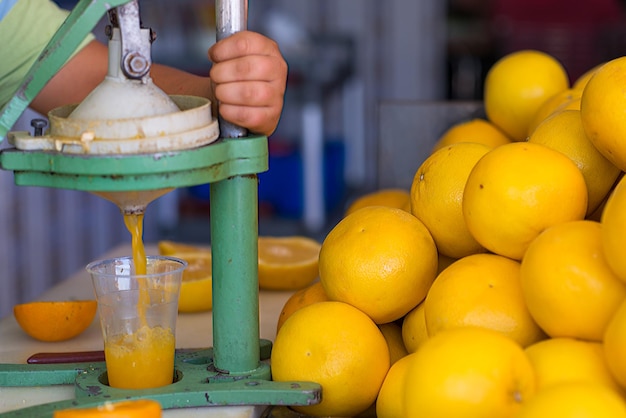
24	32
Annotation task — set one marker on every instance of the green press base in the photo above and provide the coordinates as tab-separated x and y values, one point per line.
197	384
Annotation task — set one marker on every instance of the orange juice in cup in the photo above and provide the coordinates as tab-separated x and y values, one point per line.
142	359
138	315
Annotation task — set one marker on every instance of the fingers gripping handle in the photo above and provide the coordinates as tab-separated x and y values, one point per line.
232	17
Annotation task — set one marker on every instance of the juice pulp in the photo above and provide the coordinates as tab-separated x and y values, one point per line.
142	360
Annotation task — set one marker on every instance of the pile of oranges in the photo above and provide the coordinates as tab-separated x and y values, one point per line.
495	286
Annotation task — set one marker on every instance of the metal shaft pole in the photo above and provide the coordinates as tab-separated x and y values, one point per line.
232	17
234	242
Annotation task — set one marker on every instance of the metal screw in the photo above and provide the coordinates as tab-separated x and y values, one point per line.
39	125
136	65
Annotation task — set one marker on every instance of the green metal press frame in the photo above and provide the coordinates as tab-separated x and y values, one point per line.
235	371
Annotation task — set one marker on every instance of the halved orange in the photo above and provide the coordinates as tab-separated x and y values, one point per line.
141	408
167	247
287	263
55	320
196	290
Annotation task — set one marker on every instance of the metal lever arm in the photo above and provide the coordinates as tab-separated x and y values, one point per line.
136	55
231	17
78	24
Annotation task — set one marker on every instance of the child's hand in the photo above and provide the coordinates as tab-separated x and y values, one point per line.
249	77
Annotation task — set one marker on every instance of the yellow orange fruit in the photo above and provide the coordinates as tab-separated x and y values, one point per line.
196	289
393	335
287	263
443	262
568	99
481	290
414	331
574	400
379	259
613	222
602	111
558	360
313	293
476	130
615	345
437	197
141	408
53	321
392	197
516	86
468	372
390	401
337	346
516	191
581	82
568	286
564	132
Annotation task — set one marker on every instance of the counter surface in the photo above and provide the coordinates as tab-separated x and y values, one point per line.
192	331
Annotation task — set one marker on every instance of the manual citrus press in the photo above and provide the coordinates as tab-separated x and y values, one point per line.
130	143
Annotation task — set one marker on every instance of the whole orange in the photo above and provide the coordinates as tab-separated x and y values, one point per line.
468	372
481	290
516	191
437	197
379	259
476	130
567	284
516	86
603	111
337	346
563	131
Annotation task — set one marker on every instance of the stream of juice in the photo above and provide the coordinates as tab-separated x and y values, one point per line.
144	359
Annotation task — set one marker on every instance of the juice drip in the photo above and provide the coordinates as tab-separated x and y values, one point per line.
134	224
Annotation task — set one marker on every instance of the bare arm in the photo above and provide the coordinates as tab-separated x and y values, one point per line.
248	78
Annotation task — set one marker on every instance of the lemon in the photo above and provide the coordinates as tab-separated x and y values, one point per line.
53	321
287	263
613	222
337	346
414	331
564	132
574	400
558	360
476	130
392	197
379	259
437	197
468	372
568	287
602	111
390	401
516	191
516	86
481	290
